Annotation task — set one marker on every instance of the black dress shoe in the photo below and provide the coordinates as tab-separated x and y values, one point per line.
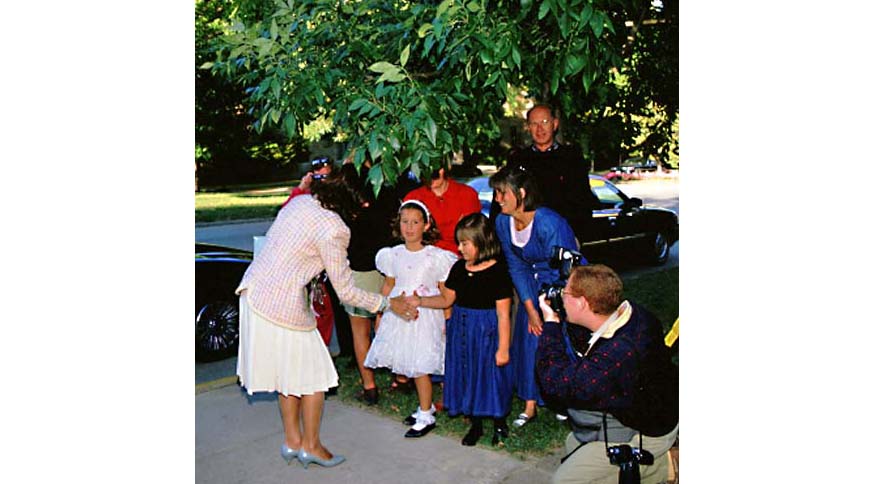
409	420
472	436
499	435
413	433
369	396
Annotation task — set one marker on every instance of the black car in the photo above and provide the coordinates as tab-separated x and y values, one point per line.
623	228
218	271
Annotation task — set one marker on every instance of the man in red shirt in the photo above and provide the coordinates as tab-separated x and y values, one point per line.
448	201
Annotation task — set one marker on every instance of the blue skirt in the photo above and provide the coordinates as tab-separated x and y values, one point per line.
522	359
473	384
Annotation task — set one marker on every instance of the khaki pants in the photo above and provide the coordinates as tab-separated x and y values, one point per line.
590	465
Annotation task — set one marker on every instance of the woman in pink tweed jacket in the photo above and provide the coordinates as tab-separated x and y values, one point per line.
280	349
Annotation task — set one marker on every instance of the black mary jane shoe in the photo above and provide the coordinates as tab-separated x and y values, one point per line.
470	439
499	435
415	434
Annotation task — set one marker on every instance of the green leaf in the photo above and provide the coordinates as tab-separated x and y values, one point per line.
515	54
357	103
492	78
554	81
404	55
392	76
375	176
574	64
430	129
443	7
382	66
563	25
423	30
374	147
587	14
275	115
289	125
274	30
206	65
597	24
587	81
545	7
473	6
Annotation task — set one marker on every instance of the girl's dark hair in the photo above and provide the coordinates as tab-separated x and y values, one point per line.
514	178
476	228
339	193
429	237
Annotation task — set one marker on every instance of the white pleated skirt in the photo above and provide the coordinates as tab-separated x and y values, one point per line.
272	358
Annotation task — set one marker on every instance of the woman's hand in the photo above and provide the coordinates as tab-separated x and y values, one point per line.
535	324
404	306
502	357
306	180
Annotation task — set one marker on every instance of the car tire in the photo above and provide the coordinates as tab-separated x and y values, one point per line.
216	331
658	249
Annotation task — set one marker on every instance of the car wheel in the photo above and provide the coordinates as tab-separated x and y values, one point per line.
659	249
216	331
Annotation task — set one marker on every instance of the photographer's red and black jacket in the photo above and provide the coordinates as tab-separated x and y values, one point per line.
627	373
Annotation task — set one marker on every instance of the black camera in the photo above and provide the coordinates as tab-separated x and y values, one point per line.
564	260
629	458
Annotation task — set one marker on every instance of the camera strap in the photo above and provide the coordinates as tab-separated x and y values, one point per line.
605	427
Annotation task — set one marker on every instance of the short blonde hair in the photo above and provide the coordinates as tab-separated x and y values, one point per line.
599	284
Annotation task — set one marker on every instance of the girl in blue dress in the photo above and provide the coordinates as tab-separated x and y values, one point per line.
477	378
527	232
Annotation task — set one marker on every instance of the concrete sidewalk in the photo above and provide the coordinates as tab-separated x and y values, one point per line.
238	437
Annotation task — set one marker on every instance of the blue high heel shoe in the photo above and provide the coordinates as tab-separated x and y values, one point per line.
306	459
288	453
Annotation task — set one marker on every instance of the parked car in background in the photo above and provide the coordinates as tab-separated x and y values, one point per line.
623	229
632	168
218	271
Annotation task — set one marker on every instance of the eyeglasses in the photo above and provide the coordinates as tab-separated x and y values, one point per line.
543	123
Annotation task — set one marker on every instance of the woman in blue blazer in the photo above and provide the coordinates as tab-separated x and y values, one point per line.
528	232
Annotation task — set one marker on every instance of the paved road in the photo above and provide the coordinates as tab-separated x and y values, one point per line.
238	235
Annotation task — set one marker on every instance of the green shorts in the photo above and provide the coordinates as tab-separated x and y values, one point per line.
371	281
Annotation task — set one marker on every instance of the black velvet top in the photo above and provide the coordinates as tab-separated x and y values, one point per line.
480	290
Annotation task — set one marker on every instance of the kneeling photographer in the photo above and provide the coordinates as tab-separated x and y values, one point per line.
620	382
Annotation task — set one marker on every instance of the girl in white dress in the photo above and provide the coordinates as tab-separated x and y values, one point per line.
413	348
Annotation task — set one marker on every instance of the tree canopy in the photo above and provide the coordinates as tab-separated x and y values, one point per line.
406	84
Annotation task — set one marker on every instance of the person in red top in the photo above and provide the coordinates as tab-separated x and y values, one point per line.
448	201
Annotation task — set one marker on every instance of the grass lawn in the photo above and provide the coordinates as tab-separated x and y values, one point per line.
657	291
241	203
